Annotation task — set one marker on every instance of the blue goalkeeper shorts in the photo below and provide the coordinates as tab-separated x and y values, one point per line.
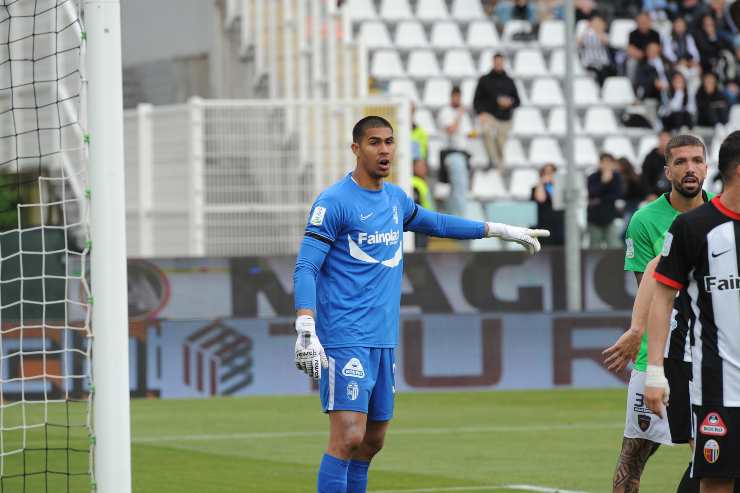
360	379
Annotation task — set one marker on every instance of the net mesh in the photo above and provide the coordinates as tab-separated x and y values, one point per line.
45	402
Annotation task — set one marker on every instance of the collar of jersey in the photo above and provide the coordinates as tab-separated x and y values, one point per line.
724	209
357	185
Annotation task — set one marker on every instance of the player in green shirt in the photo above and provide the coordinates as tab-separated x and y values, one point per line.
644	431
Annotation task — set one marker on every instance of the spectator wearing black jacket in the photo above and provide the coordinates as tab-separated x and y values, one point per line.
639	39
495	99
652	74
713	50
604	188
654	181
712	105
547	217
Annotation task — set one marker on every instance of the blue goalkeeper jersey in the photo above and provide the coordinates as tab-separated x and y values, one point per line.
358	288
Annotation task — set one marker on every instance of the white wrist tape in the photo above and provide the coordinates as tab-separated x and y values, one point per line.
655	376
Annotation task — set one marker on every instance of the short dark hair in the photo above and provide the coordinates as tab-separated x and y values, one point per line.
729	155
455	90
606	155
498	54
372	121
683	140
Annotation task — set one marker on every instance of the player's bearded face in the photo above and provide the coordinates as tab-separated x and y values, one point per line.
376	151
687	170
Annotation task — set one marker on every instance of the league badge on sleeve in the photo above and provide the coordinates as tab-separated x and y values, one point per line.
317	218
667	244
630	250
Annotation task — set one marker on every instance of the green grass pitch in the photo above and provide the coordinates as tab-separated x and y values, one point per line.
438	442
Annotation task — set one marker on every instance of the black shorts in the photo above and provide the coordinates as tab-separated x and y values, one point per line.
717	450
678	374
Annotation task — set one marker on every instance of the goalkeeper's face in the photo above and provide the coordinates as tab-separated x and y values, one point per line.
375	152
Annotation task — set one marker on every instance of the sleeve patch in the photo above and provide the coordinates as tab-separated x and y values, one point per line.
667	244
317	218
630	250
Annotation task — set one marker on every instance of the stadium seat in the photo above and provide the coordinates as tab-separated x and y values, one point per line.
423	64
482	35
488	185
485	61
458	64
600	120
386	64
584	151
513	27
557	64
436	144
617	91
734	121
527	121
361	10
431	10
404	87
522	214
409	35
522	91
546	92
586	92
619	146
467	88
446	34
467	10
375	35
529	63
437	92
514	153
424	119
545	150
395	10
646	145
474	210
478	154
556	122
619	32
551	34
522	181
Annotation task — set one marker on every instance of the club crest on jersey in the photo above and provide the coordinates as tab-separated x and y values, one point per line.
395	214
317	218
667	244
711	451
713	425
353	368
353	391
643	421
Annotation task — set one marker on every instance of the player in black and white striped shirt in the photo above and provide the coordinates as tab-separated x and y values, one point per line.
701	254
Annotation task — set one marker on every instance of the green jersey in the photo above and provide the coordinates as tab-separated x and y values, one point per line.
644	242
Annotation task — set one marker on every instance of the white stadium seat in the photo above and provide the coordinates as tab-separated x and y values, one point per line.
557	64
404	87
446	34
485	61
422	64
488	185
527	121
619	146
556	122
482	35
513	27
386	64
458	64
529	63
467	10
436	144
478	154
552	34
600	120
546	92
431	10
734	121
410	34
423	118
514	153
586	92
617	91
396	10
585	154
545	150
646	145
437	92
522	181
360	10
375	35
619	32
467	88
522	91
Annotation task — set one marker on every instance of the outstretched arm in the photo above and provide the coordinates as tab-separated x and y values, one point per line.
656	385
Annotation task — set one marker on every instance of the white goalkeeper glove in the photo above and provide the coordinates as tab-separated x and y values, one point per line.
309	354
657	389
524	236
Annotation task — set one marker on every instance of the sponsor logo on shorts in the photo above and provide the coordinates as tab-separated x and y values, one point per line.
353	390
711	451
713	425
353	368
643	421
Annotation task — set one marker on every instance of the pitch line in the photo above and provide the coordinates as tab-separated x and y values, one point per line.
398	431
521	487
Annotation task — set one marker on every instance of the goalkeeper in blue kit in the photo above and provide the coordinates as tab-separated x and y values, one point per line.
347	285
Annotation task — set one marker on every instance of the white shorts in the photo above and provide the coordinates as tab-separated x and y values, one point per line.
641	422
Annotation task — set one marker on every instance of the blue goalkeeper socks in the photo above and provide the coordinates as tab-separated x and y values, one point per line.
357	476
332	475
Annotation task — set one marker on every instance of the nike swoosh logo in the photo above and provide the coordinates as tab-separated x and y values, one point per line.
715	255
362	218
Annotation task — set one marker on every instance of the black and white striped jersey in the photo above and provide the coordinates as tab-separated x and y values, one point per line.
701	254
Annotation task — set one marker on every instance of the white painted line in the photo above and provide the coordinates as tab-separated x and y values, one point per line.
521	487
399	431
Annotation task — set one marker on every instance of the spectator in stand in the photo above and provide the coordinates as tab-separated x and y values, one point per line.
713	50
523	11
550	9
652	75
639	39
659	10
547	217
713	107
678	105
422	196
585	9
732	84
654	181
721	13
691	10
593	45
456	156
679	48
419	137
632	191
604	188
495	100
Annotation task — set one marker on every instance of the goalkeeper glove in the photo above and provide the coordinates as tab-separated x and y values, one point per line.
309	354
524	236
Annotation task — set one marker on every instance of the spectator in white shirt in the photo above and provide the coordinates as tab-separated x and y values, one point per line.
455	159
